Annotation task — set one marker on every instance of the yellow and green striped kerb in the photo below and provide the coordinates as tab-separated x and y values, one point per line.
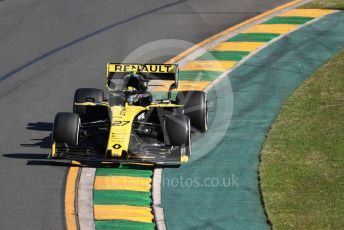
226	55
122	197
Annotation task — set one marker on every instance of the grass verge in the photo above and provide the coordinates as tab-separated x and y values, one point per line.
302	167
325	4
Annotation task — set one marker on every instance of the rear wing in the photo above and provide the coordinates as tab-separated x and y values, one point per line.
153	71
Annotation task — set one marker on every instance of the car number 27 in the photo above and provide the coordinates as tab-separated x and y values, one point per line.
120	123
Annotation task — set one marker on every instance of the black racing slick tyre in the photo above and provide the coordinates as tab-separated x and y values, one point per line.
177	128
66	128
195	107
86	95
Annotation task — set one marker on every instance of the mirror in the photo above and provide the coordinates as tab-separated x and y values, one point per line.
172	87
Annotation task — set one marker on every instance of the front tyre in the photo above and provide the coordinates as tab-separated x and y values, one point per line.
188	140
66	128
177	128
195	107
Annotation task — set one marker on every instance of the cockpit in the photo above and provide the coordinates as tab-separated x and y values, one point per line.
133	83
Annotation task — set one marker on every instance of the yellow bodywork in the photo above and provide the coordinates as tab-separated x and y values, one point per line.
53	150
121	123
122	118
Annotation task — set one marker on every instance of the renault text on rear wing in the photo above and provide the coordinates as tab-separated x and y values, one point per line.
153	71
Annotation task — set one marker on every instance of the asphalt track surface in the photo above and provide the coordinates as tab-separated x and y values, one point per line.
50	48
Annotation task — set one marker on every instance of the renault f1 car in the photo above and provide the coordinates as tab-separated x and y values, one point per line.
127	124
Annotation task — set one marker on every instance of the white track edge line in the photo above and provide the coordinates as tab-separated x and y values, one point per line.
85	199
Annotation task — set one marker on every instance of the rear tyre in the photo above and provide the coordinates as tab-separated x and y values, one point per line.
66	128
195	107
86	95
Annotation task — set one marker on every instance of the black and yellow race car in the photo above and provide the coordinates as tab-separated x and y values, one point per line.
128	124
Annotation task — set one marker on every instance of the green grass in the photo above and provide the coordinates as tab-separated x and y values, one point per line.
325	4
302	165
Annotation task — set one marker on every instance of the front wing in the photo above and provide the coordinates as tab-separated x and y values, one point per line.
156	156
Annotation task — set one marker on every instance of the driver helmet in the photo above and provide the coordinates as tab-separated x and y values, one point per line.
135	82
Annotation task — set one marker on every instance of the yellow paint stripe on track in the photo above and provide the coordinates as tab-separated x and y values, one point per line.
182	85
315	13
238	46
271	28
70	212
123	212
122	183
231	29
219	66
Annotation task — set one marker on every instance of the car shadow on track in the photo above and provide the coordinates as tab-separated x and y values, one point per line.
44	142
39	159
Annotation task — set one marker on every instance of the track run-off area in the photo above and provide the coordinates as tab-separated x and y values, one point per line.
44	61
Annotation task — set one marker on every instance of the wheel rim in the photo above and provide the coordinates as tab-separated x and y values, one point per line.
77	132
189	138
206	115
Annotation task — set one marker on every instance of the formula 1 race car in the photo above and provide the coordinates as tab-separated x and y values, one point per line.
127	124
